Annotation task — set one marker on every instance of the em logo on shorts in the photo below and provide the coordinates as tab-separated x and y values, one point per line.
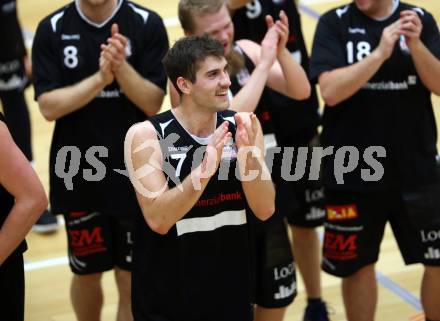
341	213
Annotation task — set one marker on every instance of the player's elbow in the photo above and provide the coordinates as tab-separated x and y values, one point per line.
329	98
39	204
305	92
264	212
46	108
36	203
158	225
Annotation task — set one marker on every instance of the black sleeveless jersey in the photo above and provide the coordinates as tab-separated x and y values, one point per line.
200	269
7	200
295	121
66	50
12	70
393	109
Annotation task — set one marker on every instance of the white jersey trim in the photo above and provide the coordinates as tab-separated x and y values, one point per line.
94	24
143	13
204	224
54	20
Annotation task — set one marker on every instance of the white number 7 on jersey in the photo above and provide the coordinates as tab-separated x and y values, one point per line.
181	158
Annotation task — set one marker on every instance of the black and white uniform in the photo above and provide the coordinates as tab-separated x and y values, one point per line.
295	122
11	270
13	78
274	267
200	269
88	143
392	110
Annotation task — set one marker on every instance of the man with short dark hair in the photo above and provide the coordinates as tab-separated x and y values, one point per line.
196	168
254	69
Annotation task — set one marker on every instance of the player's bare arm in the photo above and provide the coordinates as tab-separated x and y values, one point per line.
427	65
19	179
143	93
249	136
292	75
60	102
276	79
163	207
341	83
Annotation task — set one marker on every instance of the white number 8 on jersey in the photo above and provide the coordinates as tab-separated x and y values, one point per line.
71	56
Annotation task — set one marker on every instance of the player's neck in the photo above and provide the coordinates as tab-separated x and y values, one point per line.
383	11
200	124
98	13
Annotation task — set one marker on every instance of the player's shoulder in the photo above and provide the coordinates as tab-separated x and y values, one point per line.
423	13
143	14
338	14
140	131
52	21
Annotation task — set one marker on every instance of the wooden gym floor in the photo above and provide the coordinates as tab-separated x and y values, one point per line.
48	275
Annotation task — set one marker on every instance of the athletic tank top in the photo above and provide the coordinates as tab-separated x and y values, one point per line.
200	269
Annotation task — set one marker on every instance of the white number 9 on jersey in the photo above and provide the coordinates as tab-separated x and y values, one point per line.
253	9
70	56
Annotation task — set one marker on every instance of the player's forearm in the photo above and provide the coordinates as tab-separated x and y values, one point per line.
143	93
427	66
342	83
63	101
22	216
171	206
247	99
259	191
297	85
237	4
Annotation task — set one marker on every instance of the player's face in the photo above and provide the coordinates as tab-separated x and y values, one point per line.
371	7
217	25
210	89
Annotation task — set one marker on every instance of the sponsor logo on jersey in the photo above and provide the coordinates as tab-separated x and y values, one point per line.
342	213
80	218
280	273
387	85
115	93
432	254
316	213
285	291
70	37
314	195
84	242
179	149
430	236
357	30
351	229
340	246
412	79
219	198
